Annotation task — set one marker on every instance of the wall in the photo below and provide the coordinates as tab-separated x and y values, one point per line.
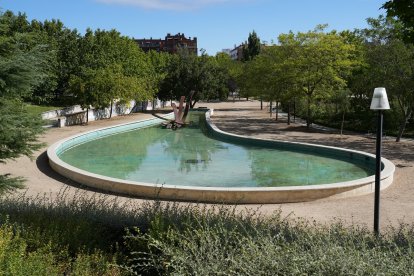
75	115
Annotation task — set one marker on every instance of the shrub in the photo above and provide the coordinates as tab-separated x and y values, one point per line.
96	235
222	242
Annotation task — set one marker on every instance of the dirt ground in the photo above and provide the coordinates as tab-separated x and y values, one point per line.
246	118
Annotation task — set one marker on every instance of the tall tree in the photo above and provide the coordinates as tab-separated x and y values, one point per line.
403	10
21	69
390	63
112	67
252	48
200	75
22	64
320	62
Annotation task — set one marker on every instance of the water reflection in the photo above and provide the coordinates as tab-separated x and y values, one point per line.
187	157
189	148
115	155
292	168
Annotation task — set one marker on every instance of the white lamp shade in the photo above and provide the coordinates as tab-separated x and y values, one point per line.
380	99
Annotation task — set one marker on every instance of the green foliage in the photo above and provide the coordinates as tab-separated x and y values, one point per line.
36	110
231	70
76	234
403	11
319	63
219	240
18	257
252	48
19	130
63	59
16	260
113	67
10	184
188	72
388	63
22	68
22	64
18	136
85	235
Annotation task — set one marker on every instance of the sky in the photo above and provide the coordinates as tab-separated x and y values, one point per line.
217	24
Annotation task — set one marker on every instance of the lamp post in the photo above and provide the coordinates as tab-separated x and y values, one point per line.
379	102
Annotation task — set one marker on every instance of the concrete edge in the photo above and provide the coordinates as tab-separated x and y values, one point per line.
259	195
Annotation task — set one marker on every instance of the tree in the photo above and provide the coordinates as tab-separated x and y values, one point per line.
319	62
390	64
199	75
18	136
252	48
63	42
403	11
21	69
229	69
112	67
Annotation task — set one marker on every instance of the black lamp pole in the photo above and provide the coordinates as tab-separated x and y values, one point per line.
378	174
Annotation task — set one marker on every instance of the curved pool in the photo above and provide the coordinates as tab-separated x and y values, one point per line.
203	163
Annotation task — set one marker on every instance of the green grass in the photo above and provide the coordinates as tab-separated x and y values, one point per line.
97	235
38	109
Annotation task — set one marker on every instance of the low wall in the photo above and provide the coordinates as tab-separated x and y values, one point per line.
75	115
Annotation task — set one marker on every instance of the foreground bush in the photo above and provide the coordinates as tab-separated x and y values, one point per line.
97	235
221	241
18	258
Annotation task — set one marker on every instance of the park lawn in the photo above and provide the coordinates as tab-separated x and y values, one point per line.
39	109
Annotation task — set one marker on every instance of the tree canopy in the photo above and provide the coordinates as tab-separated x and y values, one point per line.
188	72
22	68
252	48
403	10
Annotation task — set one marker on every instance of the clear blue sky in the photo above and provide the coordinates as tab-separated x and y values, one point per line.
217	24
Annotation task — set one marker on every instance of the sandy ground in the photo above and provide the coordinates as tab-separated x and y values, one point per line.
246	118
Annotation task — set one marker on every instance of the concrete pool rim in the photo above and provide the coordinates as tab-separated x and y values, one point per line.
233	195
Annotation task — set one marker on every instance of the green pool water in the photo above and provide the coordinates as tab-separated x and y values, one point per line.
188	157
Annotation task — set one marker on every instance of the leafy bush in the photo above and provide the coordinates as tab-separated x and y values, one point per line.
81	233
219	241
18	258
97	235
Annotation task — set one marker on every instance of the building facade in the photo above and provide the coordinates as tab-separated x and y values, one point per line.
237	52
171	44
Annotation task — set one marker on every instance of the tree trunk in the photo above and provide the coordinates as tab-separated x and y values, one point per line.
110	111
133	108
277	110
261	104
294	110
270	109
87	115
308	115
342	123
288	114
402	126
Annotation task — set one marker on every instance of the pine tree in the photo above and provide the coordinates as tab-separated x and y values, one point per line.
21	69
252	48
